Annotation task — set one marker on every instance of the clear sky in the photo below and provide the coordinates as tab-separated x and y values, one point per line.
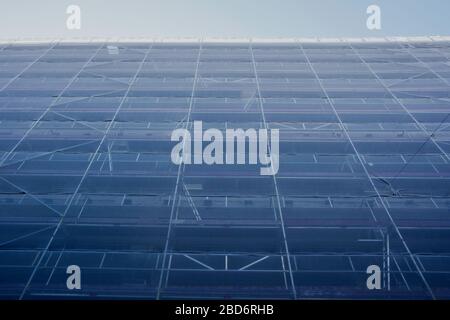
223	18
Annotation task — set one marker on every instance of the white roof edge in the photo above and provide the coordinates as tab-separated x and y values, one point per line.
225	40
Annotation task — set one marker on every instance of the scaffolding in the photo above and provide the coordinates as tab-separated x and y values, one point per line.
86	176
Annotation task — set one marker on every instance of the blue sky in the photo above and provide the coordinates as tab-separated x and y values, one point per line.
223	18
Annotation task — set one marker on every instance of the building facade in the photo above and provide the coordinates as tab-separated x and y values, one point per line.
86	176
